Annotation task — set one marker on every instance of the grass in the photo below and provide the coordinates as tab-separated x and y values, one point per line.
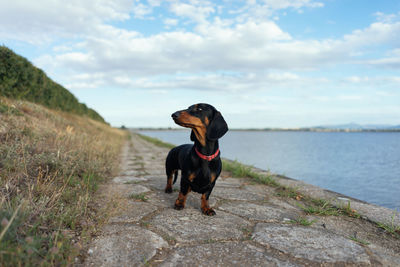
145	224
325	209
9	110
302	221
140	197
240	170
51	163
360	241
155	141
288	192
391	228
168	238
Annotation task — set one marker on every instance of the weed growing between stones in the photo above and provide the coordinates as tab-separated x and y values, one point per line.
247	233
240	170
169	238
360	241
323	207
288	192
302	221
139	197
145	224
391	228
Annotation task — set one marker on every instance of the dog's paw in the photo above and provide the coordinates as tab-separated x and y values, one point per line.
209	212
178	206
168	190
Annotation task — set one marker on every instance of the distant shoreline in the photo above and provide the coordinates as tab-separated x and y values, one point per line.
277	129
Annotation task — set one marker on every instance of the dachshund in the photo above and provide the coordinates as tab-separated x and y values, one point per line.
200	163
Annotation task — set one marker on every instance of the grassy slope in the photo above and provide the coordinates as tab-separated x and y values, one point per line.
50	165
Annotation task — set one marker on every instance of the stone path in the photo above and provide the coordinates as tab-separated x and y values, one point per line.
252	227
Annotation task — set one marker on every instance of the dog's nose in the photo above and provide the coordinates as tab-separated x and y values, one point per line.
175	115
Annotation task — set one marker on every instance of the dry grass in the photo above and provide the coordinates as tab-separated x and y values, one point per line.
50	165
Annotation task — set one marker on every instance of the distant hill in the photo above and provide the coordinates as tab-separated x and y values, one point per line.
359	127
349	127
19	79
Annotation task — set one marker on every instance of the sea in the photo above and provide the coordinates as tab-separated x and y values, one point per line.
362	165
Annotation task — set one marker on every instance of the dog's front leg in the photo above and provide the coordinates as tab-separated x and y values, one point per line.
205	207
181	200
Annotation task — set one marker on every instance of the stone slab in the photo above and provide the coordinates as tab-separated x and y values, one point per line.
124	246
229	182
386	258
128	179
139	189
259	189
223	254
236	194
133	212
256	212
130	172
190	225
308	243
158	182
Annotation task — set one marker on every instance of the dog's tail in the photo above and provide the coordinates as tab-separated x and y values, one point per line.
175	176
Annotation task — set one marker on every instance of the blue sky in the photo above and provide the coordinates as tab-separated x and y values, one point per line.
262	63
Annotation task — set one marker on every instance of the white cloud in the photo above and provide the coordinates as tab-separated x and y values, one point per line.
171	22
45	20
356	79
197	11
386	18
377	33
390	62
259	10
297	4
377	83
141	11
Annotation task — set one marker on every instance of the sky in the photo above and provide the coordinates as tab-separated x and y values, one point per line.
261	63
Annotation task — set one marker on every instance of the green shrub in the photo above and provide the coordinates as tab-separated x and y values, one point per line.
19	79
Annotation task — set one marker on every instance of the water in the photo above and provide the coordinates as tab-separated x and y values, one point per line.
363	165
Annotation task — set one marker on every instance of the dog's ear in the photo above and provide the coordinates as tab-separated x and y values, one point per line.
217	127
192	136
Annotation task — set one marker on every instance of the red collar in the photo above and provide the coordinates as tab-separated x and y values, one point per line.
208	158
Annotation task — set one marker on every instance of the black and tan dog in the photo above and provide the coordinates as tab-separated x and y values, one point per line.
200	164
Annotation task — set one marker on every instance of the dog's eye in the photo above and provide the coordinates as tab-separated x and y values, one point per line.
199	109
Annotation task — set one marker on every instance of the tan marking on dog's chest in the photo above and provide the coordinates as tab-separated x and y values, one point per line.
213	177
191	177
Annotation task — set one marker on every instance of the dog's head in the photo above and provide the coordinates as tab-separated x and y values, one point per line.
205	121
